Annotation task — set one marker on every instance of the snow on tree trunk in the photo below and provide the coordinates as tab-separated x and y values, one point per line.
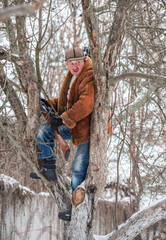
78	229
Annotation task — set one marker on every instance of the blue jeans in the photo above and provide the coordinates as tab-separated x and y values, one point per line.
80	162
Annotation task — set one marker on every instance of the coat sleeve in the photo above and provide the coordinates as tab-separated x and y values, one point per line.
81	108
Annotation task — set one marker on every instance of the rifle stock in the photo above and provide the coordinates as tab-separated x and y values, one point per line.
63	144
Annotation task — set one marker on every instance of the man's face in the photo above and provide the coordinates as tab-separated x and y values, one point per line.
76	66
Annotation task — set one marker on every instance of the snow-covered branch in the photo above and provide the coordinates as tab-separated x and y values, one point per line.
138	222
19	10
5	54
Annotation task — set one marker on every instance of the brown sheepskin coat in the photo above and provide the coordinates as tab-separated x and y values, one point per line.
75	111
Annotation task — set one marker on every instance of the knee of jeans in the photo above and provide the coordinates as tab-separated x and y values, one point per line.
79	166
42	131
40	135
76	180
79	175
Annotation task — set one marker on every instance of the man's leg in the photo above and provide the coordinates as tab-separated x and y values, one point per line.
79	172
80	165
46	144
46	137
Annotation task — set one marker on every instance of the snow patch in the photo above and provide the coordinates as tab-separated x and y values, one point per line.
44	194
100	237
106	237
10	182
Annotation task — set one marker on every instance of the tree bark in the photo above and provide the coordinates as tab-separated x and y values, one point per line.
116	35
30	82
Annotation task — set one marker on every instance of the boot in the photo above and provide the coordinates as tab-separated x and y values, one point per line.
65	215
48	170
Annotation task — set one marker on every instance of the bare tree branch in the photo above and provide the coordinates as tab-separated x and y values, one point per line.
13	99
7	55
154	78
135	106
116	35
164	115
138	222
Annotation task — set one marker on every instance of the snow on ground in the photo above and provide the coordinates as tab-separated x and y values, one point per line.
27	215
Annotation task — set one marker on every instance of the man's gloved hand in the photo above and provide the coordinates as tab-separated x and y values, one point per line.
45	102
55	121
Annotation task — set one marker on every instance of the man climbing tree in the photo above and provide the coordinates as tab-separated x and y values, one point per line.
74	106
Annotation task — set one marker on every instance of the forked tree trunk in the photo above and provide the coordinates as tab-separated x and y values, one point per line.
81	226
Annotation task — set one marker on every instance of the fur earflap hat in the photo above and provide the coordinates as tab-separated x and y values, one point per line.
74	53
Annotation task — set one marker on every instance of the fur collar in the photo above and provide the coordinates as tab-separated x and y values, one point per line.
62	99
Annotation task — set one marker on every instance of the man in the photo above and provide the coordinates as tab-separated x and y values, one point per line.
74	105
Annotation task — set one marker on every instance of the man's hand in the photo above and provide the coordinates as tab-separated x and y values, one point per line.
55	121
44	102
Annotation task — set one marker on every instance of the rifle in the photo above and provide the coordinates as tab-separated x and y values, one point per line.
48	113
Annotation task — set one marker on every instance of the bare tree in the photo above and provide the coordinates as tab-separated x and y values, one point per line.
126	39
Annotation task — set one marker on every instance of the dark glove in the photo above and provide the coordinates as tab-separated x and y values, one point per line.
55	121
43	101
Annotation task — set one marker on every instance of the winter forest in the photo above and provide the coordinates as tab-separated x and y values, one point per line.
125	190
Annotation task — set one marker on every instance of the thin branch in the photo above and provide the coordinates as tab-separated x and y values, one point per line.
46	26
6	55
160	108
133	107
155	78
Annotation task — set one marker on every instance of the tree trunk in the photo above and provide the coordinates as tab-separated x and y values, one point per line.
97	171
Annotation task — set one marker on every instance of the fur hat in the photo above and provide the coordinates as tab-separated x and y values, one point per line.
74	53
